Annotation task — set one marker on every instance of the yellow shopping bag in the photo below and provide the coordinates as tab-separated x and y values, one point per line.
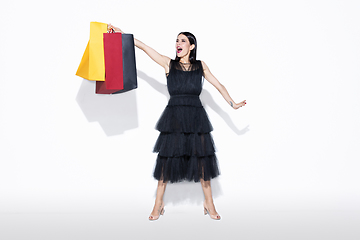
92	65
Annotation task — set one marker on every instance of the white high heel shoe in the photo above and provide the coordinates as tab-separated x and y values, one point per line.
161	211
206	211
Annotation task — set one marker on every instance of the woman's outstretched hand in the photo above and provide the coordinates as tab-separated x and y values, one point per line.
116	29
239	105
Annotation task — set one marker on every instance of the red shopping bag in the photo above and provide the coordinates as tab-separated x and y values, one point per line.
120	64
113	54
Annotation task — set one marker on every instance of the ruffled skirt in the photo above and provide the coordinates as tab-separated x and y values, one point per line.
185	146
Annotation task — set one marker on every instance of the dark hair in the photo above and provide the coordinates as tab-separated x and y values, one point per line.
192	40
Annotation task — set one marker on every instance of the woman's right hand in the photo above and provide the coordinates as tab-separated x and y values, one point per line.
116	29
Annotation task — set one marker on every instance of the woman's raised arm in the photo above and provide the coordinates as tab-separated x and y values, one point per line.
221	88
162	60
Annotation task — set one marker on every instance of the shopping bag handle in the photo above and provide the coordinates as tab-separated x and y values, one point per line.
111	30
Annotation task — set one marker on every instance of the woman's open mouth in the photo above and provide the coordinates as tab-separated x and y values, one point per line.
179	49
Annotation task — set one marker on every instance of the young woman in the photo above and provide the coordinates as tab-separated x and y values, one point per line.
185	147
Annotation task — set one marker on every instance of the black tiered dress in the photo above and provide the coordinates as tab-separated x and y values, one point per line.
185	147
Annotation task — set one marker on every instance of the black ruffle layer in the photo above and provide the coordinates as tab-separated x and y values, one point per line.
184	114
184	144
189	168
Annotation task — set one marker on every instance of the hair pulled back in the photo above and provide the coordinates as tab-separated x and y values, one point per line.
192	40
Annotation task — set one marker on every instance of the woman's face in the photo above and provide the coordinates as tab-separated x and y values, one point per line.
183	46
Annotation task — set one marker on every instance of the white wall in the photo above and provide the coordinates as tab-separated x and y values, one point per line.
293	147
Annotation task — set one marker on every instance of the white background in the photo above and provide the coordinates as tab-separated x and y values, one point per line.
80	164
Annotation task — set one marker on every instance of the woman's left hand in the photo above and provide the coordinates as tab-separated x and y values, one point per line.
239	105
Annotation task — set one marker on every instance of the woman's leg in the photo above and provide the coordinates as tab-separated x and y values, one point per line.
159	202
209	203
